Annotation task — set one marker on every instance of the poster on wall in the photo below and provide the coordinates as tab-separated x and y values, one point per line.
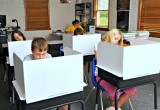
65	1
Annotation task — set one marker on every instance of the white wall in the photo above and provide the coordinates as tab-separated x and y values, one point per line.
61	15
112	14
133	16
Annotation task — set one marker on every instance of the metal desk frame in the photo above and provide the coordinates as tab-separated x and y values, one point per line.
122	84
52	103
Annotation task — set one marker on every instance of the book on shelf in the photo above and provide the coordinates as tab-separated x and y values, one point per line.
141	33
136	34
129	35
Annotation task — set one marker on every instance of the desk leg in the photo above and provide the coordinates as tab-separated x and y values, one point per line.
88	67
155	95
97	96
13	94
18	105
83	105
116	99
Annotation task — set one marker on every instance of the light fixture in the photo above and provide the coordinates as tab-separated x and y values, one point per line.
14	20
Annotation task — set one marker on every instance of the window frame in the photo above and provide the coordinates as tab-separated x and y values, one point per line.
37	21
95	11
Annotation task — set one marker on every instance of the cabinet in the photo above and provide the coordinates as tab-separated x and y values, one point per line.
123	14
3	40
123	8
82	10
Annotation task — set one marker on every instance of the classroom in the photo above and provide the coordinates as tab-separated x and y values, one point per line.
86	55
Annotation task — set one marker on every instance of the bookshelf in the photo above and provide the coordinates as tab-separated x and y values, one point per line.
82	10
123	9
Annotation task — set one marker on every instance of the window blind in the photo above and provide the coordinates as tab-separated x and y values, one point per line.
37	14
149	17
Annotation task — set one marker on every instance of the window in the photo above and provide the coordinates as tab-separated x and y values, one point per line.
149	17
37	14
101	9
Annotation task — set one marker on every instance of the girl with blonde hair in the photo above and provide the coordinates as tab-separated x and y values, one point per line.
114	36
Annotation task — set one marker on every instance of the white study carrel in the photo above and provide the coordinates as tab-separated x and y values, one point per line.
82	43
51	77
21	48
137	60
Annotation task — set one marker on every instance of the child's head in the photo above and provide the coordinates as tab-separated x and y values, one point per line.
78	31
39	48
75	23
114	36
17	36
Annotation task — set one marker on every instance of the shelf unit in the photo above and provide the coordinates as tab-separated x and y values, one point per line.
123	9
82	10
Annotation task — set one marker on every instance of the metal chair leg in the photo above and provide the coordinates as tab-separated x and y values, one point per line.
101	100
85	78
13	95
5	73
116	99
89	94
97	97
130	104
5	76
155	95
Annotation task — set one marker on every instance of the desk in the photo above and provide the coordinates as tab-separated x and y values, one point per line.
54	46
121	84
88	58
49	103
59	35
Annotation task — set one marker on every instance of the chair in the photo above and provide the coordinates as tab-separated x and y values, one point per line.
5	55
95	85
61	51
100	90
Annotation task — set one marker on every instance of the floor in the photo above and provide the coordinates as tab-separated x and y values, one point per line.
144	102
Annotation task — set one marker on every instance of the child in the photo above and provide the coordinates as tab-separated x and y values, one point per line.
17	36
78	31
114	37
39	49
71	28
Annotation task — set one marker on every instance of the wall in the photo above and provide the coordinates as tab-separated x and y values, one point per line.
112	14
133	17
61	15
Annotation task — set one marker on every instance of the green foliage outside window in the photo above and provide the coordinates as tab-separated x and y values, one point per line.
104	18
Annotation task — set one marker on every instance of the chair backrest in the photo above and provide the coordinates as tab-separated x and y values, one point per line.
60	50
93	74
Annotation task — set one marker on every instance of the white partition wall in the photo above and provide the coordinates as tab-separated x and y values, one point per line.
21	48
82	43
50	77
139	59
